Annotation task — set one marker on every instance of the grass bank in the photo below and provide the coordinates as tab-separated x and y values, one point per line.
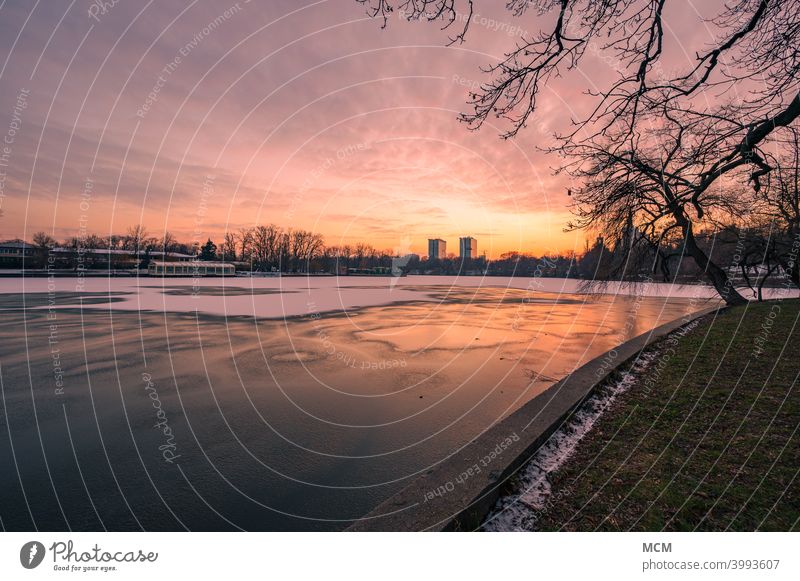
706	439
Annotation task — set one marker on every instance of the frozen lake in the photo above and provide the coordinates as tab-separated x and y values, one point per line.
298	296
291	403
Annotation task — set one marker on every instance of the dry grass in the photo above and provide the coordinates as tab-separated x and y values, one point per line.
713	444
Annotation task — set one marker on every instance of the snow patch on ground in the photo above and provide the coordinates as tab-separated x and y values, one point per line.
531	494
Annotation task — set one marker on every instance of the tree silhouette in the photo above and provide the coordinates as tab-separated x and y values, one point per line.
208	251
659	147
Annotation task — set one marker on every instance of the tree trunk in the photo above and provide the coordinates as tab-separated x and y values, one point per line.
716	275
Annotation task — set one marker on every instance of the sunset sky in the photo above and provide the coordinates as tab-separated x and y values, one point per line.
200	116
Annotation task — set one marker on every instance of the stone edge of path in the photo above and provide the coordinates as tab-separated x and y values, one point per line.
459	492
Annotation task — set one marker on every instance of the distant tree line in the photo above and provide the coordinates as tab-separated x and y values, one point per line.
268	248
757	251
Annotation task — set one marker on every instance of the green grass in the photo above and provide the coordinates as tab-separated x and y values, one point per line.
714	443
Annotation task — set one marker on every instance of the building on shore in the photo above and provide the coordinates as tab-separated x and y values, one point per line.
20	254
113	258
190	268
437	248
371	271
14	252
467	247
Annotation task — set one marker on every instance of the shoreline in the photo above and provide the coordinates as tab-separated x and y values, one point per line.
461	491
705	439
562	444
123	274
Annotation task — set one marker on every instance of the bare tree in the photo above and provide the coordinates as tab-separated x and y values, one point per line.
446	12
227	249
304	246
135	237
282	248
657	148
43	240
265	245
261	246
43	243
781	201
93	241
245	237
168	242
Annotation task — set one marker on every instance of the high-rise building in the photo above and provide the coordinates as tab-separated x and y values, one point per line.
467	247
437	248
